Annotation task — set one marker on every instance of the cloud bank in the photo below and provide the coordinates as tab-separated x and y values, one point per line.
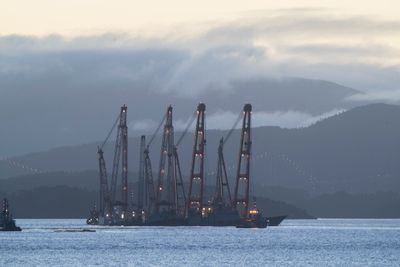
294	66
225	120
360	52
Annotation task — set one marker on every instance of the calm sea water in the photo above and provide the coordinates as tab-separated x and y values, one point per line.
324	242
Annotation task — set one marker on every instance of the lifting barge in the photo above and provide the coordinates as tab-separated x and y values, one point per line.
163	201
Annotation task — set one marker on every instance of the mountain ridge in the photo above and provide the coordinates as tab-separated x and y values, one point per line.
354	151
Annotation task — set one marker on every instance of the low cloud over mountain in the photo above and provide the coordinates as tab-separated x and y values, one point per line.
57	90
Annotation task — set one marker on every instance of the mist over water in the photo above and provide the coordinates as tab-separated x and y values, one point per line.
323	242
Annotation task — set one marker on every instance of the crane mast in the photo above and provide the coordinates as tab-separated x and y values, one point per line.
170	193
124	141
222	195
104	196
180	188
242	187
141	176
196	183
150	197
146	196
164	188
120	152
115	168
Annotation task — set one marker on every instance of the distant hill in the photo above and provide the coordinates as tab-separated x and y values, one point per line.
87	180
357	151
311	96
70	195
51	202
344	205
384	204
48	192
72	202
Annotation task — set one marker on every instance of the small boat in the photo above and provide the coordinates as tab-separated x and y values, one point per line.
7	223
254	219
93	217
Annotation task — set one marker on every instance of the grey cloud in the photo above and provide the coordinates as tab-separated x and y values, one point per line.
55	42
285	119
215	69
146	125
225	120
325	51
392	96
314	36
82	91
299	24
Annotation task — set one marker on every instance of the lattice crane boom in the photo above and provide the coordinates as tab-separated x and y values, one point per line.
196	183
120	152
242	186
222	196
104	193
124	156
141	176
163	197
180	188
150	198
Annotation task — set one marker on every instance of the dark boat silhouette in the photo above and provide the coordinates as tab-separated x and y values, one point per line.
7	223
254	219
94	217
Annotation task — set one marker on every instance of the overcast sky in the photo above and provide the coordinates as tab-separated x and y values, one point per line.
73	63
152	17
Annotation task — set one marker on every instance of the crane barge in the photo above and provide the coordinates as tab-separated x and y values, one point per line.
165	203
114	211
169	204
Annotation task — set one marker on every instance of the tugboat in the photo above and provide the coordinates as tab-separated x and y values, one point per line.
254	219
7	223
